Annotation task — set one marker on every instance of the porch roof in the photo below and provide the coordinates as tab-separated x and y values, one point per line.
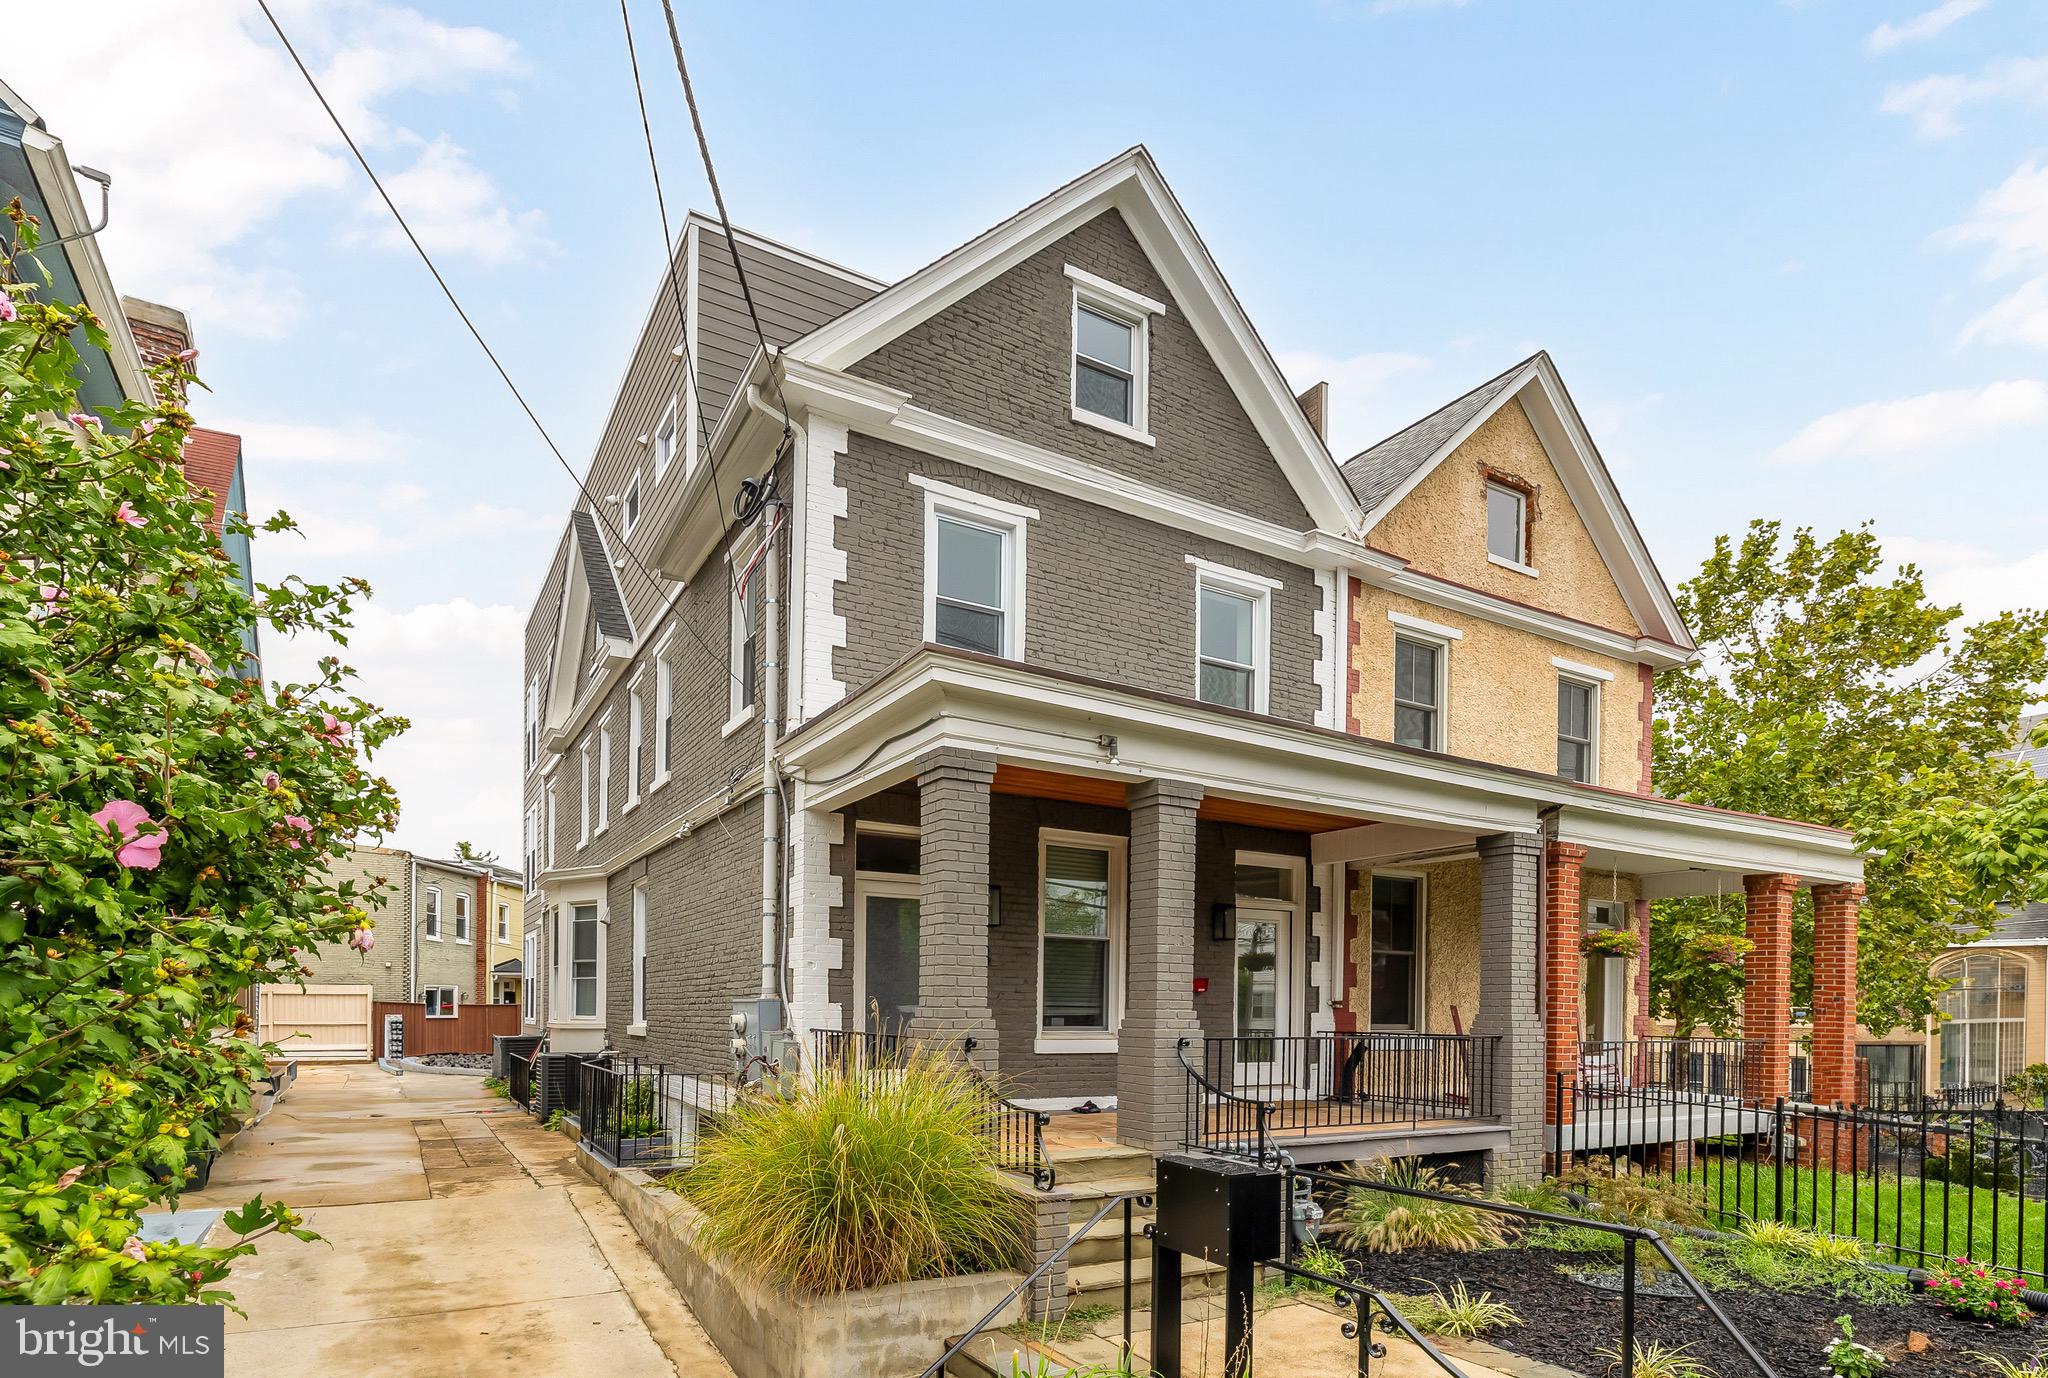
1035	718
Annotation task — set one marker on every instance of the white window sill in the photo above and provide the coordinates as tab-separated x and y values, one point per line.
464	942
628	807
1516	565
442	1016
1085	1043
1113	426
431	937
636	1031
599	830
660	779
737	721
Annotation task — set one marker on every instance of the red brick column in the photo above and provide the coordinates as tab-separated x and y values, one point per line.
1641	1027
1835	910
1767	985
1563	985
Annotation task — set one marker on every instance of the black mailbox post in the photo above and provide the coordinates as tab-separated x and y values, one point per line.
1224	1212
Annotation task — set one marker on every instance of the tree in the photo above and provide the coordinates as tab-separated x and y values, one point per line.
164	821
1829	692
465	851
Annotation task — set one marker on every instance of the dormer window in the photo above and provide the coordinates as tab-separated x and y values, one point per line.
1111	352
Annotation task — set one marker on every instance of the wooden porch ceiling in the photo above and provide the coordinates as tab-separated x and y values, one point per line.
1089	789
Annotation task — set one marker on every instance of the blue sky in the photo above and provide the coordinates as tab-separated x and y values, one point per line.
1792	259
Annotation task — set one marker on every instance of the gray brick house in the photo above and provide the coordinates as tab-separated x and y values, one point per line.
1121	729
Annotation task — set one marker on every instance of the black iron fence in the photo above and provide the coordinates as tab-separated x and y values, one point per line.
633	1112
1245	1091
1716	1065
855	1049
520	1082
1918	1183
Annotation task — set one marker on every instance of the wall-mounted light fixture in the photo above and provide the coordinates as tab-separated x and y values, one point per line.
1107	741
1222	922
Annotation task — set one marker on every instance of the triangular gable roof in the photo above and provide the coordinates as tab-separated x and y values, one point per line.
1131	184
607	605
1384	474
590	596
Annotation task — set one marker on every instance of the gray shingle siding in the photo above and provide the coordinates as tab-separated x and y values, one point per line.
1001	357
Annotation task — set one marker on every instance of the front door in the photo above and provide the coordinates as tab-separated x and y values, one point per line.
885	953
1265	945
1606	1013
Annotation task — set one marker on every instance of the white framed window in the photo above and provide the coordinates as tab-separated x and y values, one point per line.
629	507
583	961
547	829
1400	920
604	775
533	722
1420	681
744	603
633	729
504	923
529	975
973	569
442	1002
532	854
1081	908
1578	729
1507	527
639	959
1233	617
1112	345
664	715
1981	1039
583	821
462	934
430	914
665	438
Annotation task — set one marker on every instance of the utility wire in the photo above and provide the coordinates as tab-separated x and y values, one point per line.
596	507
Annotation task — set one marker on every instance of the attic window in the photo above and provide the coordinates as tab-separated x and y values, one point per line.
1112	349
1507	525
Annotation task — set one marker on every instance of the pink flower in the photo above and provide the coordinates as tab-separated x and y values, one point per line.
248	753
49	593
123	819
71	1174
147	426
82	421
188	356
333	730
292	820
362	940
7	311
126	513
270	780
198	656
132	1247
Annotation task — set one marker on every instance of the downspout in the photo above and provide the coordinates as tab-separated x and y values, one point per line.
772	965
481	932
412	928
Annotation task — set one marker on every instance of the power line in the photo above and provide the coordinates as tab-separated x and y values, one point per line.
596	508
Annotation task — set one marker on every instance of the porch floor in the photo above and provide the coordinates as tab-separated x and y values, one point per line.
1296	1125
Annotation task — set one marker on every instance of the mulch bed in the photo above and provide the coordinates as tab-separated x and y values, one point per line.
477	1061
1567	1323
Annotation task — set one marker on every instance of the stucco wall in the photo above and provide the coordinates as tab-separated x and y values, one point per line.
1440	527
1502	701
383	970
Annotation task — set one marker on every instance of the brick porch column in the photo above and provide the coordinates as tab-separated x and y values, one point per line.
1640	1028
1767	985
952	854
1151	1086
1564	982
1508	863
1835	911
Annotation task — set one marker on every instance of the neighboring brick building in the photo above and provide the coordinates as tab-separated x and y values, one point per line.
1119	723
436	929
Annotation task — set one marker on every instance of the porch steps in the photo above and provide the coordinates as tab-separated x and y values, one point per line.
1102	1284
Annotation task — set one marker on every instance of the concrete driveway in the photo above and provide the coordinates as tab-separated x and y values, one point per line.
460	1238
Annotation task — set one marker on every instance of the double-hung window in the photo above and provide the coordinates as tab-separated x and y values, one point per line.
665	439
974	570
532	722
604	774
504	923
1397	919
583	797
1577	716
664	710
529	976
746	633
1507	526
1418	693
583	961
629	507
461	917
430	915
442	1002
1081	906
640	958
1111	345
1231	618
633	744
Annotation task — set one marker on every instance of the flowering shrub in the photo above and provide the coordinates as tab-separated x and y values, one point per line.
1964	1289
1849	1359
165	820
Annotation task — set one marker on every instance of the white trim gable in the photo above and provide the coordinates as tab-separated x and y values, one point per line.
568	677
1129	183
1564	437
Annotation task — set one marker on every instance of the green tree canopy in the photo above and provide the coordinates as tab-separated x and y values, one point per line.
1829	691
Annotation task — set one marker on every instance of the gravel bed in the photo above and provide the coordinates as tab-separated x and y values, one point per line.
475	1061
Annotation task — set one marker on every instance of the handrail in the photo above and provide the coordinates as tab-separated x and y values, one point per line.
1041	1169
1630	1234
1364	1299
1123	1199
1263	1112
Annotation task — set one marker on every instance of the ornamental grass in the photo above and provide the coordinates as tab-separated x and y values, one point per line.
859	1179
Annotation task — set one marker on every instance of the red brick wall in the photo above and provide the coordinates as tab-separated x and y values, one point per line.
1563	985
1767	984
1646	713
155	342
1835	911
1353	637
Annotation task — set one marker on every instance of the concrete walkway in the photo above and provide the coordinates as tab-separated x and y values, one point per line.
460	1238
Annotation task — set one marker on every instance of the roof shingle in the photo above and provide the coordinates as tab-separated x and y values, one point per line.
606	604
1374	474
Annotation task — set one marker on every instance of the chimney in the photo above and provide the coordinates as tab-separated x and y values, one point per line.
159	331
1315	405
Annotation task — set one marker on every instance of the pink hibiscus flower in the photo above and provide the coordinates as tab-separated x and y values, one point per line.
127	513
362	940
7	312
123	819
292	820
270	780
82	421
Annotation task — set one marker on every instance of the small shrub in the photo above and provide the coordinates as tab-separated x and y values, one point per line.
555	1119
1570	1239
1545	1195
1657	1360
857	1181
1456	1312
1790	1239
1314	1258
1848	1359
1382	1223
637	1117
1959	1167
2030	1085
2035	1366
1964	1289
1622	1191
496	1086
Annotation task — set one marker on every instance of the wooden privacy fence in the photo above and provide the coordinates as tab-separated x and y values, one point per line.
316	1023
470	1030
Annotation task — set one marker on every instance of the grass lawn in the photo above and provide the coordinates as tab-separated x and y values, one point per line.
1993	1228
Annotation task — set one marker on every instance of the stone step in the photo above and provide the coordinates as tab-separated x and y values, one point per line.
1076	1166
1102	1284
1105	1243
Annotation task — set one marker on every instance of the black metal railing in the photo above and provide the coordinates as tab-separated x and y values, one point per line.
1017	1131
520	1082
1918	1183
858	1049
1318	1083
1220	1121
632	1112
1716	1065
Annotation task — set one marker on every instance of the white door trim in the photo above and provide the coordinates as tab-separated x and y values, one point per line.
869	885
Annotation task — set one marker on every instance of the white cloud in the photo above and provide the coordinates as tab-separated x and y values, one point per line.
1931	421
2020	318
2011	220
454	669
1887	36
1984	584
1354	383
211	134
455	208
305	442
1935	104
